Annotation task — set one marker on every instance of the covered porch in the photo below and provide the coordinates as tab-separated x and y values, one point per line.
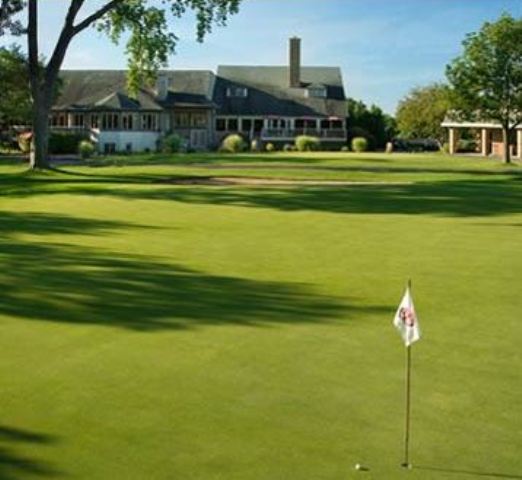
488	137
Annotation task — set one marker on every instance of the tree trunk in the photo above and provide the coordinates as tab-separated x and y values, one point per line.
40	141
505	141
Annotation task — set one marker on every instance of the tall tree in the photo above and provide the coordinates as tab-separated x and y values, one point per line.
421	112
148	46
487	78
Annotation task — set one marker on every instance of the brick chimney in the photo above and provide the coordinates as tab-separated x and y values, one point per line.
295	62
162	86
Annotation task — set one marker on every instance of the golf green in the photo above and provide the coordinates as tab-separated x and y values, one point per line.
159	331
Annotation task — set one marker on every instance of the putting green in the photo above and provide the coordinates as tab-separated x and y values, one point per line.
160	331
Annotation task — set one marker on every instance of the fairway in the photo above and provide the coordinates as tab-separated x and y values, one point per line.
200	332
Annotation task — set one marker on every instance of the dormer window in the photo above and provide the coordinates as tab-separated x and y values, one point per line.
237	92
316	91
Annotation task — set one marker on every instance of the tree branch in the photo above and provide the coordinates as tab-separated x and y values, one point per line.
95	16
65	38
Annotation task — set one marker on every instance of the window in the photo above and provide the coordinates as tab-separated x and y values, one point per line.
237	92
78	120
95	121
299	123
110	121
127	121
258	125
149	121
277	123
325	124
181	120
221	124
246	125
232	125
199	120
316	91
109	148
58	120
337	124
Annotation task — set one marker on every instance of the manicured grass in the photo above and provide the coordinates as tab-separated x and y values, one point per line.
154	331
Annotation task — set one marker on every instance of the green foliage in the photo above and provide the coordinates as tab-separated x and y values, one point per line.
64	143
288	147
486	78
9	24
270	147
86	149
345	148
233	144
467	145
421	112
359	144
150	41
172	143
307	143
372	123
15	97
254	145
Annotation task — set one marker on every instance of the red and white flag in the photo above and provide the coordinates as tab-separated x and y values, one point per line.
406	320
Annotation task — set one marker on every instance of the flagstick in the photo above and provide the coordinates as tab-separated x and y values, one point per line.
406	463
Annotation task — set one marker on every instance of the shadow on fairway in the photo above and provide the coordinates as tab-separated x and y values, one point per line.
472	197
66	283
15	466
475	473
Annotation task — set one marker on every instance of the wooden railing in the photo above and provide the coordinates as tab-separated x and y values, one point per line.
284	133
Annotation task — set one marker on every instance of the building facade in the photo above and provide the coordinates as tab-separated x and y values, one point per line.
265	103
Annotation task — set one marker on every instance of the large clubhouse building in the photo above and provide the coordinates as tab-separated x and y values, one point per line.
267	103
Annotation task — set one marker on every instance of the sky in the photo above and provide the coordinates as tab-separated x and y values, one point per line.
384	47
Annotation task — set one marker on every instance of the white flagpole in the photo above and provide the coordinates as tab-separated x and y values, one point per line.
406	463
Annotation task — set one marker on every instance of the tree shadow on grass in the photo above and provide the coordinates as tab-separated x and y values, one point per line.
457	198
15	466
475	473
71	284
46	224
481	196
63	283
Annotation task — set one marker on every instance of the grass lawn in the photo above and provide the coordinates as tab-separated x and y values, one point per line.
157	331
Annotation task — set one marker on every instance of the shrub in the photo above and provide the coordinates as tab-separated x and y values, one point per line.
254	145
389	147
345	148
289	148
233	144
306	143
65	142
171	143
445	148
86	149
467	145
359	144
270	147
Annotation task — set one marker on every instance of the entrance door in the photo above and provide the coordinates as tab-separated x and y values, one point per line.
198	139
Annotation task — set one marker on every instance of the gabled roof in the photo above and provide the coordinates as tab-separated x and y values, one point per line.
106	90
101	90
269	92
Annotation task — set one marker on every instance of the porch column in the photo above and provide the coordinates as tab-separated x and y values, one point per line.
70	120
485	142
453	140
519	143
